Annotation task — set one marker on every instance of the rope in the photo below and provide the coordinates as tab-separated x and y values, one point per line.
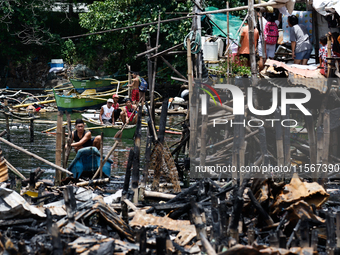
195	45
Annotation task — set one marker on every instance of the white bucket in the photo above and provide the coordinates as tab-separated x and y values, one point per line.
210	51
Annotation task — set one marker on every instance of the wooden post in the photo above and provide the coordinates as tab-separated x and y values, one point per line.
58	149
7	128
329	54
190	82
135	165
286	141
69	139
162	122
152	103
63	142
263	43
150	78
130	80
279	140
251	39
312	143
126	186
31	130
204	129
326	139
316	32
101	155
228	38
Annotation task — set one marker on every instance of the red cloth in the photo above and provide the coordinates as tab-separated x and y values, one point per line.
135	95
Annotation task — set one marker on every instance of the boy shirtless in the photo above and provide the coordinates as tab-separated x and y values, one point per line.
135	87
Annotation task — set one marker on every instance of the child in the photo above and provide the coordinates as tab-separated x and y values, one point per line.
323	42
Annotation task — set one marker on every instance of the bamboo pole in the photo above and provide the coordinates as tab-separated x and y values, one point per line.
130	80
251	40
228	38
101	155
312	143
58	149
69	139
14	170
136	158
326	142
271	3
158	195
204	129
279	139
192	138
172	68
152	101
41	102
34	156
32	130
106	158
7	128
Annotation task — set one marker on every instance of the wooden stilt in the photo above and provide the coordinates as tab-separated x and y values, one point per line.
32	130
126	186
101	155
136	159
7	128
57	180
312	143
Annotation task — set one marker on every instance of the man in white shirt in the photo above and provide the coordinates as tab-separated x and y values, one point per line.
106	111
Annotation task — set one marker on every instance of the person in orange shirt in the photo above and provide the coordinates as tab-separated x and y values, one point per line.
243	51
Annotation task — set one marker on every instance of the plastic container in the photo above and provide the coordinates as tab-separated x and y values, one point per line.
210	51
220	47
57	63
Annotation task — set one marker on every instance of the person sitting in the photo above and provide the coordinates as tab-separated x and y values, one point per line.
83	138
129	114
301	46
117	110
135	87
105	115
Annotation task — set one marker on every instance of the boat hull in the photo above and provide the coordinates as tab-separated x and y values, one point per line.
102	84
108	131
86	163
69	102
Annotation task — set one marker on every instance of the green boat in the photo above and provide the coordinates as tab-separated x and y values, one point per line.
93	124
89	99
99	84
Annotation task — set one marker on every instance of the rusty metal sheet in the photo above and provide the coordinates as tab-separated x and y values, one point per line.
75	227
3	169
55	210
300	210
312	79
240	249
97	243
186	230
312	193
14	205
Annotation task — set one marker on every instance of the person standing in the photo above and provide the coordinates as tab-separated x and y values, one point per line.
83	138
105	116
270	48
135	87
243	51
301	46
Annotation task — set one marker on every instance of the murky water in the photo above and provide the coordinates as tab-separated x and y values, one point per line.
44	145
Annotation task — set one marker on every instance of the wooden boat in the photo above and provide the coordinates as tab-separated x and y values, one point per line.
86	163
99	84
93	124
89	99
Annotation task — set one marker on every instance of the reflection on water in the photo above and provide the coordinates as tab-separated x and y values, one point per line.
44	145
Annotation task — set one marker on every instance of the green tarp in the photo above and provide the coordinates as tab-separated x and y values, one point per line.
221	20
